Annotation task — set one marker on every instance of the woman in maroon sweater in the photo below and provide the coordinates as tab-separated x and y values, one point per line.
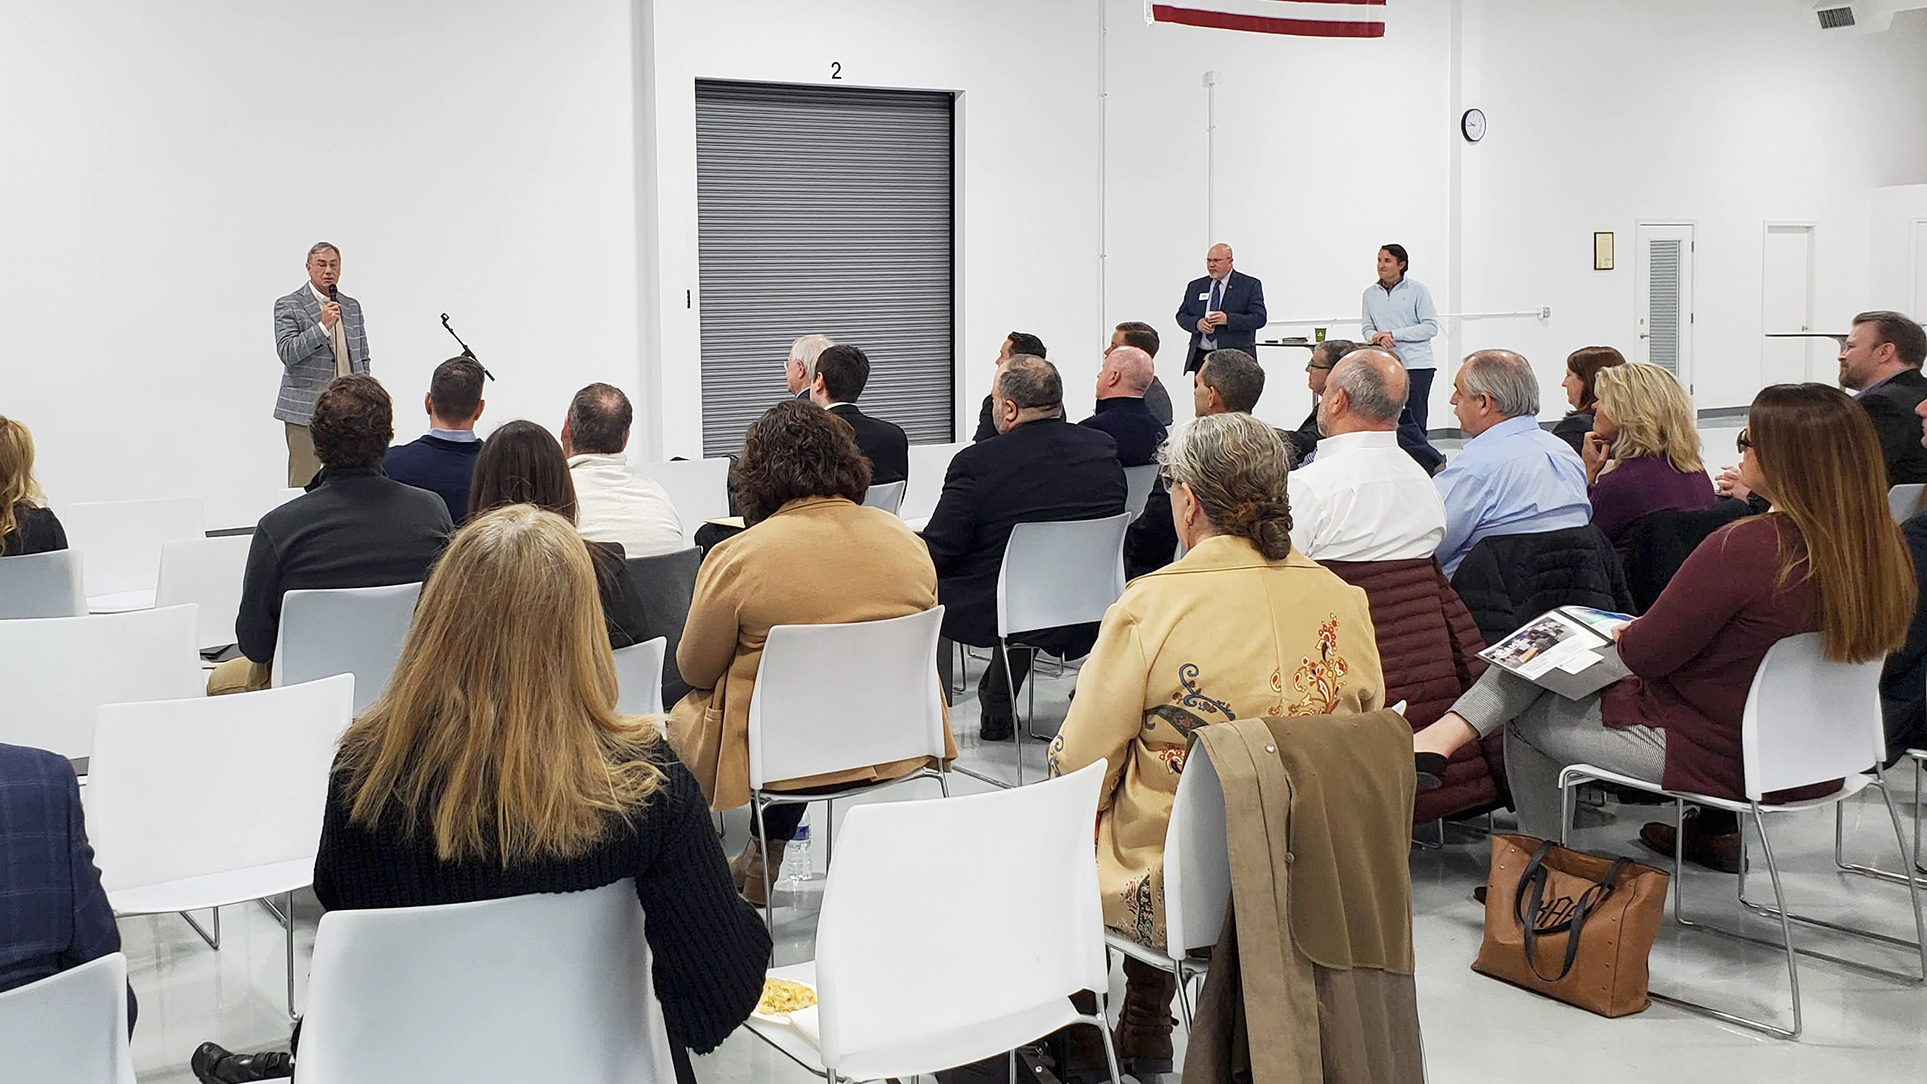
1643	454
1827	558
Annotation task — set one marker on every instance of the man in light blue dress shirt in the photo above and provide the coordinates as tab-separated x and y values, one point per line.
1398	315
1512	477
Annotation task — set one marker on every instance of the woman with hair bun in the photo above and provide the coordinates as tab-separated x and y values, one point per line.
1242	626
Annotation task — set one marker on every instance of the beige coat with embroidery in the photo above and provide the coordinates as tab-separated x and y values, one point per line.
1221	634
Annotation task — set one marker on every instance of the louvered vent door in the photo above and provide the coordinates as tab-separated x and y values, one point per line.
1664	289
825	210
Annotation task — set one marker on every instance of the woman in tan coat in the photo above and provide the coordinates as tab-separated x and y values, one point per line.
1241	627
813	555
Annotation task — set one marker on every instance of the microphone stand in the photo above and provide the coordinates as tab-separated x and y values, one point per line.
466	352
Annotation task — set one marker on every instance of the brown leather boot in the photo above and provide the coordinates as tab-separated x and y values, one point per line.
1144	1022
750	881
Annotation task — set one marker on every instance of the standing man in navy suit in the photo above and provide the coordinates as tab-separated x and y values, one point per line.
1221	311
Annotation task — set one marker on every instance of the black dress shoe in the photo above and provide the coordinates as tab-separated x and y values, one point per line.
214	1065
1431	770
996	729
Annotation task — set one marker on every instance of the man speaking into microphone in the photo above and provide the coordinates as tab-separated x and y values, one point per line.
319	335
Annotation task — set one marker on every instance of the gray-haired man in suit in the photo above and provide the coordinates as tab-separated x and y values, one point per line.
317	339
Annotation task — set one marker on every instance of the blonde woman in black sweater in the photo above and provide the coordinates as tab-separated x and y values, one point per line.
495	765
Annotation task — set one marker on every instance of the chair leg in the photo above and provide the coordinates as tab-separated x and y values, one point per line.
276	911
1913	884
1017	726
829	830
292	1015
213	939
769	886
1184	994
1779	897
1110	1051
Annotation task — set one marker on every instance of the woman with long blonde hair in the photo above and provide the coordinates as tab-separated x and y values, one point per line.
495	765
1643	453
1826	559
27	525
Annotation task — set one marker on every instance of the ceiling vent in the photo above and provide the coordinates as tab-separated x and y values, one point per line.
1835	18
1861	16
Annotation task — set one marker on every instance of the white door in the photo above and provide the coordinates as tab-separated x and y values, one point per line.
1786	305
1920	270
1663	284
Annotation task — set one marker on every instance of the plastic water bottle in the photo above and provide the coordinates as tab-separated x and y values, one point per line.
798	860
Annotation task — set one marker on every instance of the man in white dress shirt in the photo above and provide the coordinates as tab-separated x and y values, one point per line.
1363	498
612	502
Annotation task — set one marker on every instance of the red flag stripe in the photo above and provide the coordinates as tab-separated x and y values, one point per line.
1315	28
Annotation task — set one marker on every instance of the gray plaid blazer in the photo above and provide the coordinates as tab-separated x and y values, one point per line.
307	359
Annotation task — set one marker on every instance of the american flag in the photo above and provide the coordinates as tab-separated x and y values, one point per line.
1326	19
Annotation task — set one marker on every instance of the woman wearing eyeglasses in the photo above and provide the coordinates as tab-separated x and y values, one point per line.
1826	559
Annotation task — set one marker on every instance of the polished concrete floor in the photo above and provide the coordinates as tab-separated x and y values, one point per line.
1858	1027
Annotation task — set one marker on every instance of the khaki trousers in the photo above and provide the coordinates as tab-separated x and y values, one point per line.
302	465
242	675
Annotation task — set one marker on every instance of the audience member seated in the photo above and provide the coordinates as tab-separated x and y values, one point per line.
1241	627
1145	337
1233	387
1303	441
841	373
1122	412
1827	559
1643	452
1042	468
1880	362
27	525
1903	681
443	460
799	369
495	765
523	464
53	913
1512	477
1582	374
355	527
1016	343
1363	498
812	555
613	503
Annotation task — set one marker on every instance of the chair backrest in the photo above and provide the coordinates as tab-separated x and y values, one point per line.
42	585
896	997
1808	719
70	1027
206	572
1904	500
351	630
215	784
58	671
1137	487
665	584
888	496
121	540
699	488
553	986
1066	572
929	463
639	677
1197	863
802	721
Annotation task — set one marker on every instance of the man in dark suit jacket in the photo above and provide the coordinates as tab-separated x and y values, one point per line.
1222	311
1121	409
1880	362
443	461
1039	469
54	915
841	373
1015	343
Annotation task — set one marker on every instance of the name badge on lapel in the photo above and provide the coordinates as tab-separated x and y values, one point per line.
1205	296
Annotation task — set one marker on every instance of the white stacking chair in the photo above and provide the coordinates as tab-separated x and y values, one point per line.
929	463
355	630
1137	487
639	677
120	542
1066	572
58	671
42	585
896	997
804	720
206	572
1806	720
217	800
554	986
698	488
70	1027
1197	880
888	496
1904	500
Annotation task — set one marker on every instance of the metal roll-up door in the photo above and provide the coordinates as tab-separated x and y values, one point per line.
825	210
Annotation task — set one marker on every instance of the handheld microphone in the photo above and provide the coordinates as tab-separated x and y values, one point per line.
333	294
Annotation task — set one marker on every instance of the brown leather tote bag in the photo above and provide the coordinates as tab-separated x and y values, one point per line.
1574	927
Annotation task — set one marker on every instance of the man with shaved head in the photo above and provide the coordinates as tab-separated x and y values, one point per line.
1363	498
1224	310
1121	409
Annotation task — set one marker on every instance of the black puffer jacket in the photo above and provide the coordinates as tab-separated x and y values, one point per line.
1510	579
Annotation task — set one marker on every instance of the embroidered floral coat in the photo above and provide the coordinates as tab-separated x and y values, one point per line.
1221	634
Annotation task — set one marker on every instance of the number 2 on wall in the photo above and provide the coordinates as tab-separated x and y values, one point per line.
836	69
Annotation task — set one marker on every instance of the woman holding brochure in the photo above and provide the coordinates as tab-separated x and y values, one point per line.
1826	558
